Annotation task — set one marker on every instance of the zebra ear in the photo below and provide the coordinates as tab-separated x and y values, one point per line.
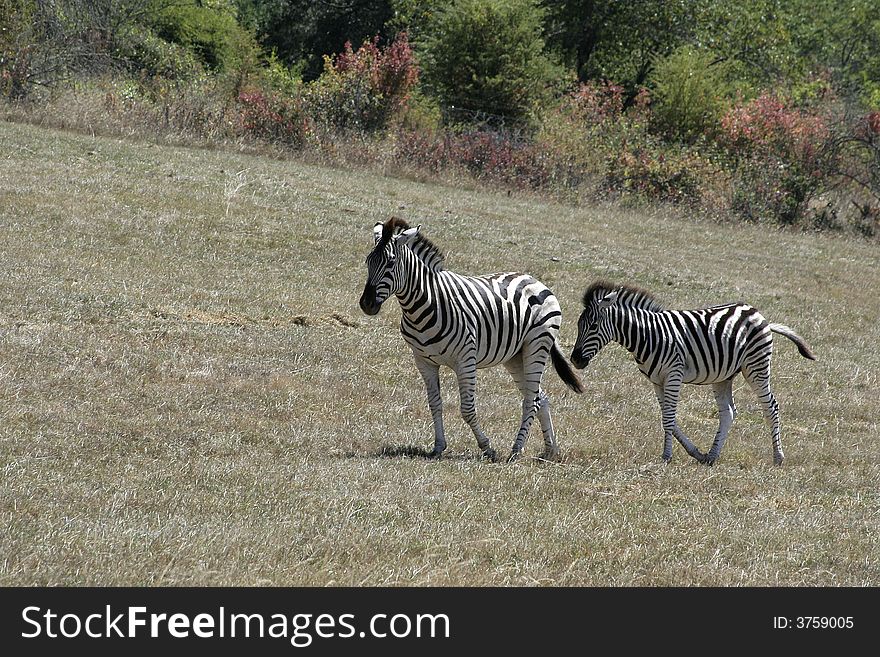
377	232
406	235
607	301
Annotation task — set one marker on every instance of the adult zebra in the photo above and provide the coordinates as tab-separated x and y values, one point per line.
466	323
707	346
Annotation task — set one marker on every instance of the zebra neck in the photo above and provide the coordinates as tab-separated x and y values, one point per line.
629	330
414	293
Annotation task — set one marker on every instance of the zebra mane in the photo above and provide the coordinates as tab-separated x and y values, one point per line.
627	295
428	252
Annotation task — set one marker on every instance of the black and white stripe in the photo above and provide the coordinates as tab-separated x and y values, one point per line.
706	346
467	323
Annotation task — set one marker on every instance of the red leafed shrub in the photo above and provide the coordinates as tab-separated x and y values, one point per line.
768	126
596	102
485	154
272	117
392	71
871	126
781	156
500	156
363	89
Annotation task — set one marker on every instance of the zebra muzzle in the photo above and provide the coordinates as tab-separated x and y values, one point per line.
368	301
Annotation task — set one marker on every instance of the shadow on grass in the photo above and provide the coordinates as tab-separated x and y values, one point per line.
413	452
420	452
403	451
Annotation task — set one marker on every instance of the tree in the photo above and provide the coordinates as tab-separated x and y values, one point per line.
301	32
487	57
612	40
44	43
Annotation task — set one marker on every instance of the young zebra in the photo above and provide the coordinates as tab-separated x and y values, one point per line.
708	346
466	323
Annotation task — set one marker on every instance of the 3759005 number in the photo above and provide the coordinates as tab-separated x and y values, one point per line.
823	622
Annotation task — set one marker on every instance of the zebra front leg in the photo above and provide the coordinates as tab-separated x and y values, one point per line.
667	425
667	395
726	413
431	375
466	373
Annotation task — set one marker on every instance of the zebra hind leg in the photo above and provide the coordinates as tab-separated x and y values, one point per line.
760	382
526	370
551	449
529	410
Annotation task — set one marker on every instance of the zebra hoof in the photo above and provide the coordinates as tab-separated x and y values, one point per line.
779	459
490	455
514	456
434	454
550	455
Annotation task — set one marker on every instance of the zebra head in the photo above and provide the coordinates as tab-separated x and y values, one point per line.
595	328
384	276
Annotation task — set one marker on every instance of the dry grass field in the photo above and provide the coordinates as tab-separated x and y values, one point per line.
189	394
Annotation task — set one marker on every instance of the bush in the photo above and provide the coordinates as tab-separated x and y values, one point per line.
781	156
590	124
149	56
208	30
690	92
44	45
487	58
273	117
364	89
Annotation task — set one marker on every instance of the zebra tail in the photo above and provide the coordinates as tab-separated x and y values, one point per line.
564	370
782	329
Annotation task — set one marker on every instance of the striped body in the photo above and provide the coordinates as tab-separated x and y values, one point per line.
707	346
491	316
466	323
671	347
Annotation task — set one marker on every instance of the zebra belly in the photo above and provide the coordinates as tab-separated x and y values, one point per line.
447	353
690	373
706	376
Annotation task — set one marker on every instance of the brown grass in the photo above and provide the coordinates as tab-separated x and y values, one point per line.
190	395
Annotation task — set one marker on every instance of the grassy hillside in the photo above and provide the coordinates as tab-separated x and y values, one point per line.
189	393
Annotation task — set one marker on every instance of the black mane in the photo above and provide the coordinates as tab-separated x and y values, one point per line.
628	295
425	249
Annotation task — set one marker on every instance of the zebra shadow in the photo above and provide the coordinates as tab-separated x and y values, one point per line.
402	451
420	452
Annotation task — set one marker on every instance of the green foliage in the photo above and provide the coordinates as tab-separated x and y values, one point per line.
487	57
301	32
209	30
612	40
691	92
843	38
151	56
17	44
752	36
283	79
